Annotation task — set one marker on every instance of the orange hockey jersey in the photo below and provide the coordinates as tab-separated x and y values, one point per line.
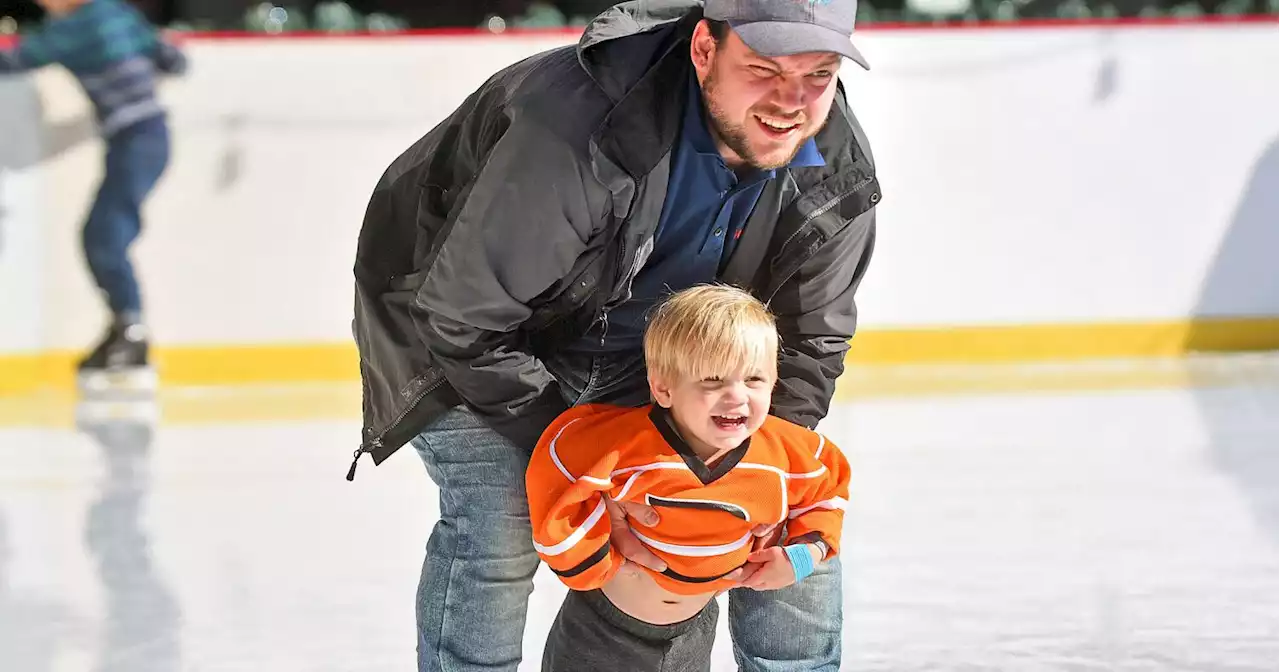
782	473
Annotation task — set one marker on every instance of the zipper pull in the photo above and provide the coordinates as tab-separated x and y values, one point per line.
355	457
604	329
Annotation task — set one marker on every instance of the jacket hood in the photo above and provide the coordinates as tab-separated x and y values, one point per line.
617	64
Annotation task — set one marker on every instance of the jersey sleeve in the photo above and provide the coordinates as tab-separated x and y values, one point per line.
818	495
567	482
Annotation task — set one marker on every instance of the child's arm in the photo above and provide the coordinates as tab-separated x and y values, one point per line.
34	50
817	503
168	57
818	494
567	483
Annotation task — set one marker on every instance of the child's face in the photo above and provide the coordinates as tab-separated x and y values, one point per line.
718	413
57	7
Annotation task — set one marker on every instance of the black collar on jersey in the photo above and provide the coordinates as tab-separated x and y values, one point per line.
662	420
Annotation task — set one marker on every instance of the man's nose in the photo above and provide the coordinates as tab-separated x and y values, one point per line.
791	95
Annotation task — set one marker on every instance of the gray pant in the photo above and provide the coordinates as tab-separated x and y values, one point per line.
591	635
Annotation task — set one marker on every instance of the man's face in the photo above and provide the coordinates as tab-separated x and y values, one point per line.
761	108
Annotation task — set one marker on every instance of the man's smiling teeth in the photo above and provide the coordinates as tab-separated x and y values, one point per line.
777	125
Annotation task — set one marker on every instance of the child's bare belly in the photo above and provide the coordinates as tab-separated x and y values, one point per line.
636	593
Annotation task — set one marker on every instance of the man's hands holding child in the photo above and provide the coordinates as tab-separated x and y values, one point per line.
767	568
623	539
626	542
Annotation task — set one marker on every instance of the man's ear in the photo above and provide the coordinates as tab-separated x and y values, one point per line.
702	47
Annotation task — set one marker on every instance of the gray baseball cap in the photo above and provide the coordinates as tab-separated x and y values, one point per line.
785	27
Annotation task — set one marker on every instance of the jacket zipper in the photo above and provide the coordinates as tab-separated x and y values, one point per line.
817	212
604	312
376	443
604	328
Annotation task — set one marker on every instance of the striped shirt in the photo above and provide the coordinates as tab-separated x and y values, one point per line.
783	473
112	50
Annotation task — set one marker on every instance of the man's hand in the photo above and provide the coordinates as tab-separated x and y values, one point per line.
623	539
765	536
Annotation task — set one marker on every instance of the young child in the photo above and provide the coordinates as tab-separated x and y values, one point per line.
115	54
711	461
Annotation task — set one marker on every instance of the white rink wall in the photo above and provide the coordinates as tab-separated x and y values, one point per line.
1037	175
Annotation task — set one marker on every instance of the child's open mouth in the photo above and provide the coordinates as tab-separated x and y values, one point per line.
729	421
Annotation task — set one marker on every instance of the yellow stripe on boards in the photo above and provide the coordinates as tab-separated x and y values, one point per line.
1057	342
197	365
315	402
339	362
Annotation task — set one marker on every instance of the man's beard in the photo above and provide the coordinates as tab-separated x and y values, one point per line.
734	135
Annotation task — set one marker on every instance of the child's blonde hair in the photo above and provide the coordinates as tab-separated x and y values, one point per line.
710	331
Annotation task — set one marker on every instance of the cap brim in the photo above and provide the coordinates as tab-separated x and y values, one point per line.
785	38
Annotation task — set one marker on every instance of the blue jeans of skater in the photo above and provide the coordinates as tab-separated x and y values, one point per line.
478	574
136	158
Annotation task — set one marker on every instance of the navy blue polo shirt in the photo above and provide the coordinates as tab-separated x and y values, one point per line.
706	206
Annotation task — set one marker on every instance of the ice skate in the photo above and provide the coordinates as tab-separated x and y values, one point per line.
119	364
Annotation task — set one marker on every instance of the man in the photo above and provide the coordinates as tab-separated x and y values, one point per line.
116	55
507	260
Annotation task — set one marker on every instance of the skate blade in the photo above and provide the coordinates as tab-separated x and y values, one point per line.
124	383
97	412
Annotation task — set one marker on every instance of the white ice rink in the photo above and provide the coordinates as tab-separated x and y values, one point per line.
1088	517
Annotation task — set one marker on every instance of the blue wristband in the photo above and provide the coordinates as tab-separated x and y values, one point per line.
801	560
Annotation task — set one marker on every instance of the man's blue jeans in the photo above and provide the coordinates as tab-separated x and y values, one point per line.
480	561
136	158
